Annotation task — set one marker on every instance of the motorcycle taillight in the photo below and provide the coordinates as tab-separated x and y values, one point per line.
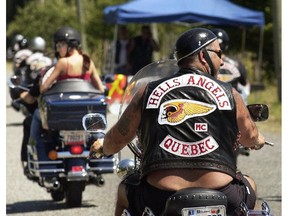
77	168
76	149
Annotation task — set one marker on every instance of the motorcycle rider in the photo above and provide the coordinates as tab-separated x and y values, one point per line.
233	71
22	52
188	125
72	63
33	63
29	99
37	59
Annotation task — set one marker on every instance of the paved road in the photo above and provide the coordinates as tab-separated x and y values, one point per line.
24	197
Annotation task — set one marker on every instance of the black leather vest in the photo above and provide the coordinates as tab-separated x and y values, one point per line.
188	121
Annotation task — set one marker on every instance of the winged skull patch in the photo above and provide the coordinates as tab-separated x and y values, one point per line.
174	112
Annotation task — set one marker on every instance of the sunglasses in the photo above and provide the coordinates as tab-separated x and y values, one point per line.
218	53
60	44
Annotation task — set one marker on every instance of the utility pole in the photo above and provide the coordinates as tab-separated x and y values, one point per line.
81	24
276	10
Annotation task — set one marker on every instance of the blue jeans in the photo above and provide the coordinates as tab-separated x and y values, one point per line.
40	143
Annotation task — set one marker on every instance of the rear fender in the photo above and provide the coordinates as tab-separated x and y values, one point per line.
76	169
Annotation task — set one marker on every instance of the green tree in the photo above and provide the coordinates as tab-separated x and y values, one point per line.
43	18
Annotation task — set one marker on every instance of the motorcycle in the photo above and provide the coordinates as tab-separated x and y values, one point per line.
69	168
22	80
189	201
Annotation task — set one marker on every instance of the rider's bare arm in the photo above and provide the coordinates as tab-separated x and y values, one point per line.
125	129
59	67
27	98
95	79
249	134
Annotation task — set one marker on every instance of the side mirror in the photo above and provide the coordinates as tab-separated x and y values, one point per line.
258	112
15	82
94	122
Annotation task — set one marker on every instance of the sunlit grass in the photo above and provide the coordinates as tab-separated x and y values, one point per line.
268	96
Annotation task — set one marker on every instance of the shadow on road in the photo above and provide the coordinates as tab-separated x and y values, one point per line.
14	124
40	206
271	198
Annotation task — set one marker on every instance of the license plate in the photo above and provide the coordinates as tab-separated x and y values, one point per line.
74	137
218	210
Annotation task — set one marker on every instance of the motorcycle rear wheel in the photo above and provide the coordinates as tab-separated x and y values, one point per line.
73	193
57	195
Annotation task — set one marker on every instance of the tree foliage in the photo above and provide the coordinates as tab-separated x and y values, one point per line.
43	18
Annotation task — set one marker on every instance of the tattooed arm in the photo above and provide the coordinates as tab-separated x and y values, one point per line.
125	129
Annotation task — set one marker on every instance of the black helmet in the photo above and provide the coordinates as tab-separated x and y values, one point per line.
223	38
192	41
18	38
67	34
19	42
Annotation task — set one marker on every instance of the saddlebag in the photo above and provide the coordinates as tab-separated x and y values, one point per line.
66	102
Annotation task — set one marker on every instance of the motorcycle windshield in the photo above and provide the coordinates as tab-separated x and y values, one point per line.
152	72
149	73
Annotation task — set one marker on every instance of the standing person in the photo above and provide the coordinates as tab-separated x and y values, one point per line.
72	63
141	50
233	71
121	55
166	112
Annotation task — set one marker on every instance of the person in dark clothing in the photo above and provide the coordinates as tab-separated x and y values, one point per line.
121	55
141	50
176	154
29	99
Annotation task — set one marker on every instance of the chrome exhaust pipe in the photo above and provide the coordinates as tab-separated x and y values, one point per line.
99	181
54	184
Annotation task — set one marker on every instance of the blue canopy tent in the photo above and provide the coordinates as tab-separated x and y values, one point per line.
220	12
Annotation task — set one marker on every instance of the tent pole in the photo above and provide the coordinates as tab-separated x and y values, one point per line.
261	41
114	48
243	41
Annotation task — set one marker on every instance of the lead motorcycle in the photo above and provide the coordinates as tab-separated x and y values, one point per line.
69	168
189	201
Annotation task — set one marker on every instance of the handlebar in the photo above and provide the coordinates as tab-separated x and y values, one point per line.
269	143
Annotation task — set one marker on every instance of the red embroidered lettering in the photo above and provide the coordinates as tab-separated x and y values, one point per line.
175	146
153	101
185	149
191	80
176	81
224	103
207	142
202	147
201	81
216	90
209	86
168	143
194	149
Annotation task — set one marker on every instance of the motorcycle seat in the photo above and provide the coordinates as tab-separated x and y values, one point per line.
193	197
